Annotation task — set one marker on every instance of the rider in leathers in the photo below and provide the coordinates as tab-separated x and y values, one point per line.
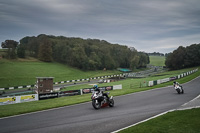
176	83
99	91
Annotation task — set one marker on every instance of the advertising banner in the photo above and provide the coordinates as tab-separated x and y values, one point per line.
70	93
87	90
7	100
18	99
48	95
172	78
106	88
90	90
28	98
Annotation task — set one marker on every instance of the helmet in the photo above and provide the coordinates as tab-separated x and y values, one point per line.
174	82
95	86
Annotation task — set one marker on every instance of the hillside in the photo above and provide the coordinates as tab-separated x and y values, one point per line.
24	72
157	60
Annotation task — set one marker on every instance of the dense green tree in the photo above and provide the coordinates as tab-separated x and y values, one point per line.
11	45
184	57
45	51
192	57
21	51
31	45
168	61
135	62
89	54
177	58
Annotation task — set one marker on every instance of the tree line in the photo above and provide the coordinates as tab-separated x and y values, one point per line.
156	54
184	57
85	54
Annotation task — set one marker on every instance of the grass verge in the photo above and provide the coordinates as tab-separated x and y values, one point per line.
186	121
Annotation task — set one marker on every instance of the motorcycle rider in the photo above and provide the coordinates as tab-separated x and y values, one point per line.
178	87
95	87
99	91
176	83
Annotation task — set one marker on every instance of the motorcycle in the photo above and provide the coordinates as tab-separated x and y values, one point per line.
179	89
100	101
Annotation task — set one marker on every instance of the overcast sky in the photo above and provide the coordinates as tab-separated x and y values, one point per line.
147	25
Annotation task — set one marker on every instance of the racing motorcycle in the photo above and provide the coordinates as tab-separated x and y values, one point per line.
179	89
100	101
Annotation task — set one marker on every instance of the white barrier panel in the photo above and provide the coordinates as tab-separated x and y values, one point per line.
116	87
158	81
164	80
11	88
150	83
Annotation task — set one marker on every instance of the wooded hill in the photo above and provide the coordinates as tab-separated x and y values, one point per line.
85	54
184	57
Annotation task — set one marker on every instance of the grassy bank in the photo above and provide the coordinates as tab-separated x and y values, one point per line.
186	121
157	60
129	86
24	72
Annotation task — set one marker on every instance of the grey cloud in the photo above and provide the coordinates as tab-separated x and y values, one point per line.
139	23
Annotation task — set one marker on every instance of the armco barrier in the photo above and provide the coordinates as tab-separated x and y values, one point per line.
17	87
160	81
61	82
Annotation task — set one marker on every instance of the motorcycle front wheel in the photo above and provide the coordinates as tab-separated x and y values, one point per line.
182	90
96	104
179	91
111	103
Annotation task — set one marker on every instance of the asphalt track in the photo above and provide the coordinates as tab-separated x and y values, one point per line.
82	118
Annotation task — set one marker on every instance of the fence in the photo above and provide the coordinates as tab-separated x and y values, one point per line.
62	82
160	81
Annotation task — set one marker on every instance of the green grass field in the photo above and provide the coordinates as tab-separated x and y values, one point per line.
157	60
186	121
24	72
